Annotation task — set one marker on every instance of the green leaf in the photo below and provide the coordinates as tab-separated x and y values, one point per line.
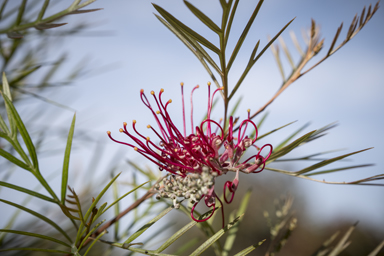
67	154
146	226
5	88
150	175
244	34
272	40
21	12
90	233
230	21
253	61
236	106
129	192
185	246
324	247
176	23
11	120
95	240
377	249
176	236
27	191
232	233
338	169
289	148
260	123
249	249
207	21
24	233
326	162
23	132
342	244
192	45
321	132
42	11
94	203
282	144
38	215
215	237
14	160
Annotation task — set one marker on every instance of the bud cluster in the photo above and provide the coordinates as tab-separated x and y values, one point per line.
192	186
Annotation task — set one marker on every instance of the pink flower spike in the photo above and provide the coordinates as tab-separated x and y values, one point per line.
194	160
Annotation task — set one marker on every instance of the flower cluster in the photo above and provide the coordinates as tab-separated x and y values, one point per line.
195	160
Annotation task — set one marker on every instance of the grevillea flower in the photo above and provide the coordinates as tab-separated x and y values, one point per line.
195	160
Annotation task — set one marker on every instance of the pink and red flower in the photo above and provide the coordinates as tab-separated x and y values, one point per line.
199	152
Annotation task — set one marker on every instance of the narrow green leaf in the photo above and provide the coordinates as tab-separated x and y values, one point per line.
99	197
2	8
321	132
11	119
377	249
35	249
323	248
287	53
5	88
289	148
24	233
201	16
260	123
343	241
90	233
251	63
4	128
176	23
67	154
326	162
249	249
215	237
176	236
230	21
14	160
93	205
339	169
42	11
236	106
93	243
23	132
193	46
233	232
27	191
310	157
38	215
149	175
21	12
272	40
116	208
185	246
148	225
282	144
129	192
244	34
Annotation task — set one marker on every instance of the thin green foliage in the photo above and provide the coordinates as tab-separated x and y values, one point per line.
39	216
64	176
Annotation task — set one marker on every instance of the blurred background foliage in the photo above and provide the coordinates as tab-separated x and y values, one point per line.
38	65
